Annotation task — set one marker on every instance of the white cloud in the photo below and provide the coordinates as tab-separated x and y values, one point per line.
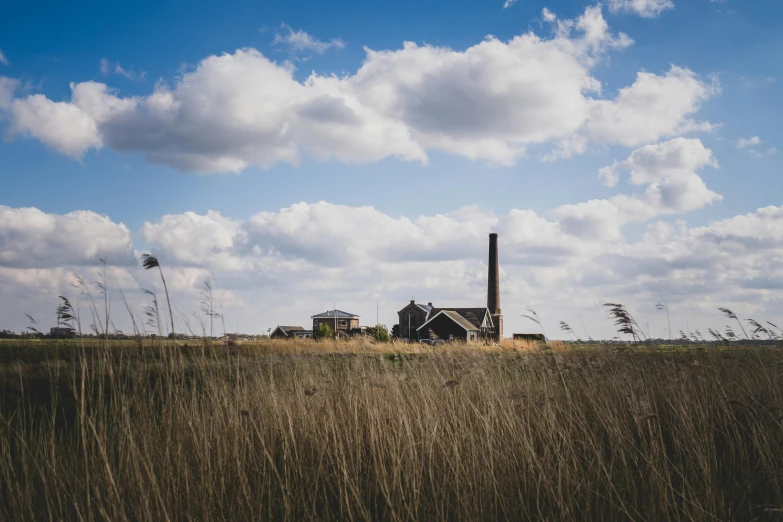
748	142
3	58
609	176
108	68
753	145
488	102
509	3
7	88
668	170
652	107
32	238
301	41
61	125
211	247
643	8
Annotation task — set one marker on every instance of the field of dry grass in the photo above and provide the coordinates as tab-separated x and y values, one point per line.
357	431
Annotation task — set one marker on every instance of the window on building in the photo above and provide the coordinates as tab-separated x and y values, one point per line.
342	322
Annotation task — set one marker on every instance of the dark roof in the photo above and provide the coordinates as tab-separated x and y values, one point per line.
457	318
475	315
288	329
426	308
334	313
454	316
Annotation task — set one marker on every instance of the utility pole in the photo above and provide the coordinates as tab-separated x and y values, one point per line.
335	319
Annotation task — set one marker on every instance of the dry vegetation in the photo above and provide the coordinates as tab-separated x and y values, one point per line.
255	433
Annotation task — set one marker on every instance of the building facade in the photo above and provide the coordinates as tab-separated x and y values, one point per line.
449	326
411	318
476	324
340	322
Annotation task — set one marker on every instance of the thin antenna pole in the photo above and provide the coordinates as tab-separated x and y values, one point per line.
335	319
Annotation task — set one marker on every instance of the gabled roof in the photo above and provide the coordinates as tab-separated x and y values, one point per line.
288	329
477	316
425	308
455	317
331	314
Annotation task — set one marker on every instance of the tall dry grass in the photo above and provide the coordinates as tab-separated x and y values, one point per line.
200	433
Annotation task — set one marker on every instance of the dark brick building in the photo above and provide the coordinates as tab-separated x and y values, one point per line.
417	321
453	324
411	317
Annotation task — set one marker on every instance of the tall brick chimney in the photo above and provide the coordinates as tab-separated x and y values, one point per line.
493	286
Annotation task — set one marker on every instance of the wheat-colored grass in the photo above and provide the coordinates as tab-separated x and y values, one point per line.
358	431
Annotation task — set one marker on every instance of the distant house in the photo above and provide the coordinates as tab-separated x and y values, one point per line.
452	324
286	332
338	321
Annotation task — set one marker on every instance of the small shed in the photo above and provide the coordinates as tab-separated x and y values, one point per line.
286	332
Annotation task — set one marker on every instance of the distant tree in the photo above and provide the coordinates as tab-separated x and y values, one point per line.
395	331
324	331
380	333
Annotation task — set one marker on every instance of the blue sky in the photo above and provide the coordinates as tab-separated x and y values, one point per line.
423	157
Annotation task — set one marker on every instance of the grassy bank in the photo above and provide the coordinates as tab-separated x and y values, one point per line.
361	431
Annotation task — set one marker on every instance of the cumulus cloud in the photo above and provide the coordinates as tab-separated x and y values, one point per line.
652	107
212	246
488	102
32	238
643	8
61	125
669	172
299	40
3	59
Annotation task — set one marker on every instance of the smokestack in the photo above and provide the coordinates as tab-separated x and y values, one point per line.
493	277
